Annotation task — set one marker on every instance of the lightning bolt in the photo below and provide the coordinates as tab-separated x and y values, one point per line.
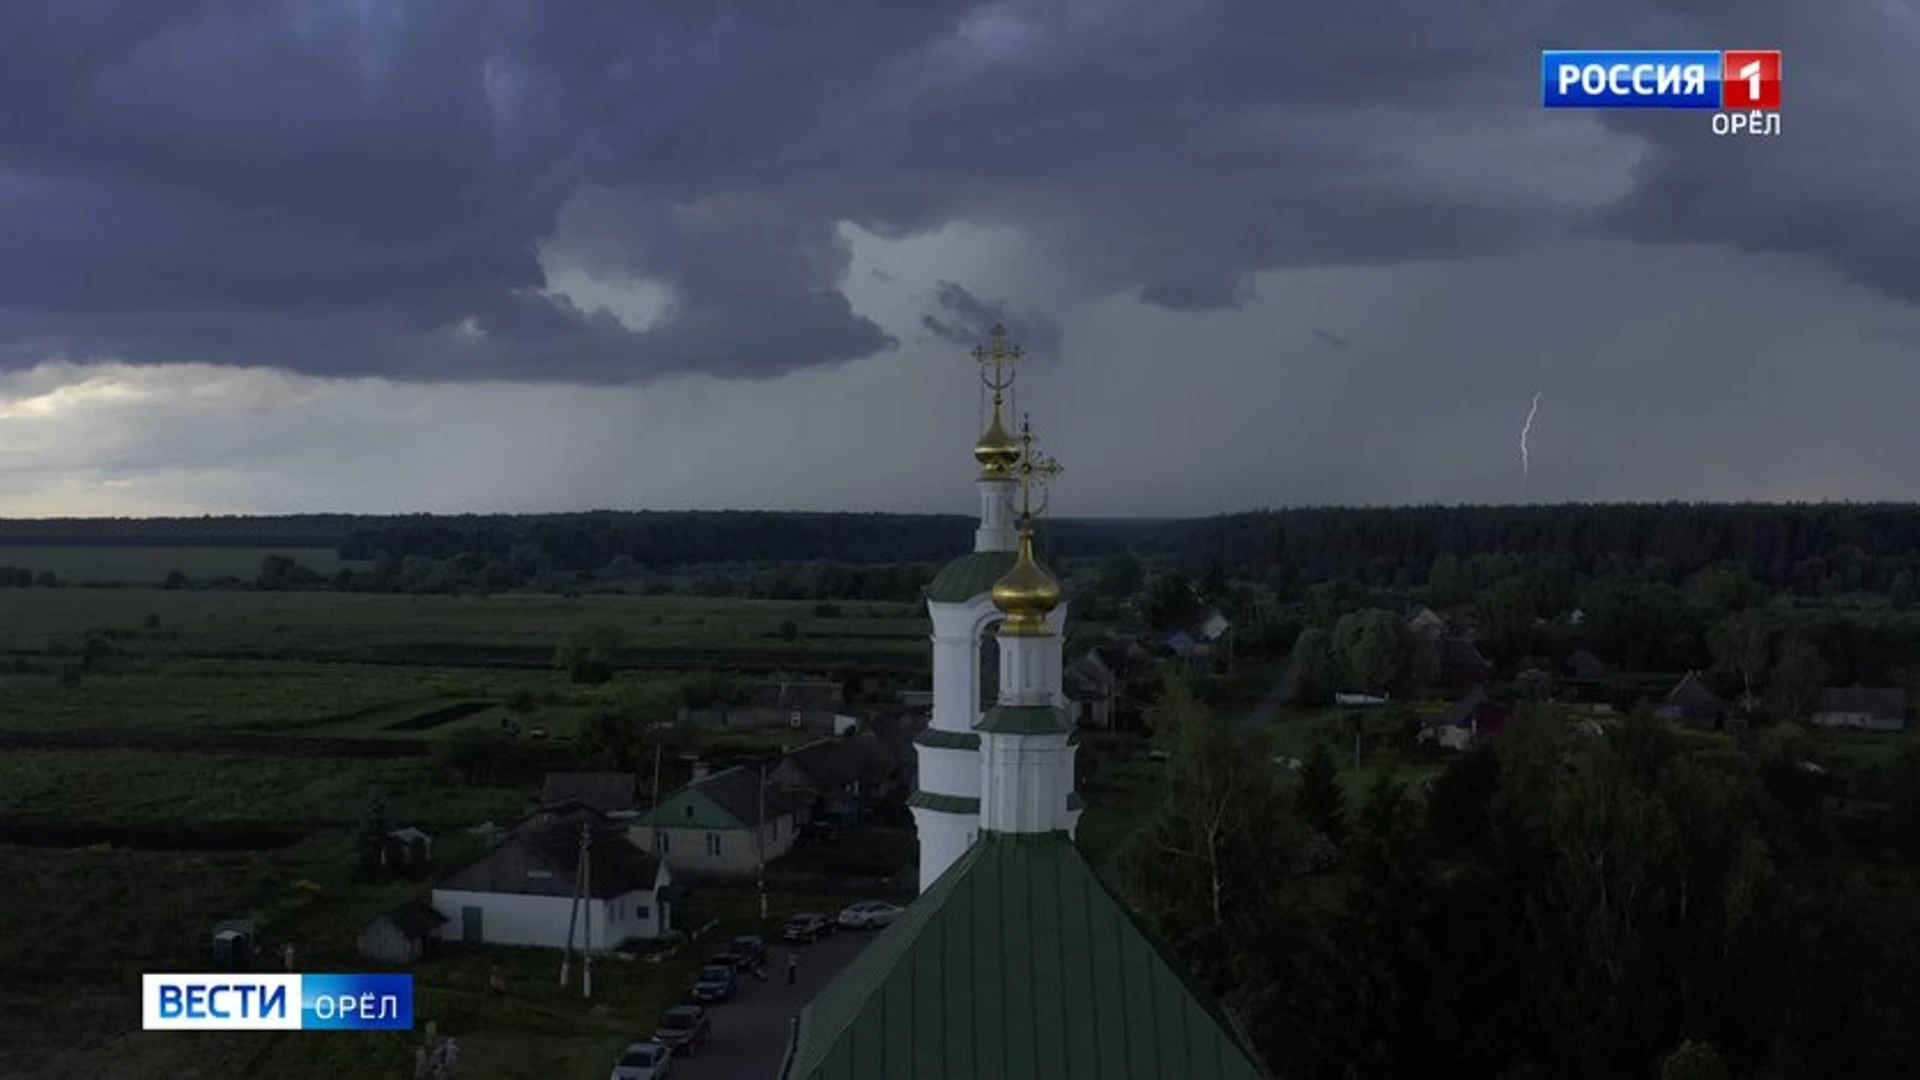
1526	429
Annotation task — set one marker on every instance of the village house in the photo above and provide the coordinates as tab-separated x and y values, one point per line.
1862	708
840	776
1461	666
815	707
403	935
1424	620
1092	687
1474	718
1692	701
725	823
1583	664
522	892
609	793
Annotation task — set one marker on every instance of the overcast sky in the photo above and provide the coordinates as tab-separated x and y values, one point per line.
394	255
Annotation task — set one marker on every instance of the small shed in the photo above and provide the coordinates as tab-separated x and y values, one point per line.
235	941
406	849
403	935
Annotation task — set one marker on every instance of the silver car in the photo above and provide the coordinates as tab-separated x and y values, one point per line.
644	1061
869	915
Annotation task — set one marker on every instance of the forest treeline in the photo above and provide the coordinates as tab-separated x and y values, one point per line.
1812	548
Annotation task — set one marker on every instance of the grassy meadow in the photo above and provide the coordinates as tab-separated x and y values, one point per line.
502	627
151	565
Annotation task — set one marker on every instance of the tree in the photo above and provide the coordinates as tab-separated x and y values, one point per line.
1900	591
1121	576
1209	867
589	652
1739	646
1314	673
1694	1061
1321	799
1728	587
1170	602
1374	650
1799	674
1462	794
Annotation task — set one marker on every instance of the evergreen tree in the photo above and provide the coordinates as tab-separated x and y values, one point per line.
1321	799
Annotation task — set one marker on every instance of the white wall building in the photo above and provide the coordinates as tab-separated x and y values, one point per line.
521	892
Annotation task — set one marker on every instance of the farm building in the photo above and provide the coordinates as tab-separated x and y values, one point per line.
522	891
235	942
402	935
406	849
726	823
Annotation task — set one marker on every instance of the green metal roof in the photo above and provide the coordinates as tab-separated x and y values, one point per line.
1026	720
947	740
946	804
968	576
1017	964
690	808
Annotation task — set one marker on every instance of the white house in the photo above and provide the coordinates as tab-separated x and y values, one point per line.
522	891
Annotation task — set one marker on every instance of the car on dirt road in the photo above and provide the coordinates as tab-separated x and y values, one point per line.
684	1029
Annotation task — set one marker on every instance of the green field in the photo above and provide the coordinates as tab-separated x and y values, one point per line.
151	565
326	624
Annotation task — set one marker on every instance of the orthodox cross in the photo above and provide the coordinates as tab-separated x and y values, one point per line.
996	359
1034	471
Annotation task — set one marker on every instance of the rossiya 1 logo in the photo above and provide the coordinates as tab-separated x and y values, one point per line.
1741	88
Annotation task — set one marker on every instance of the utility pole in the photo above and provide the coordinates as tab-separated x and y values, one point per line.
760	841
586	888
573	909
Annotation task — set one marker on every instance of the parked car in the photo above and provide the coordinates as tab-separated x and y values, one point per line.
751	949
644	1061
868	915
684	1029
715	983
807	926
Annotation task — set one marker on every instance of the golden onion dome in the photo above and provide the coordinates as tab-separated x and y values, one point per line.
997	451
1026	593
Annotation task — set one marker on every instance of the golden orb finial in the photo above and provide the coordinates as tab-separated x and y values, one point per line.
1026	593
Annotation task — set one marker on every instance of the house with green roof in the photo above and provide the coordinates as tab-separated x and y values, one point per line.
727	823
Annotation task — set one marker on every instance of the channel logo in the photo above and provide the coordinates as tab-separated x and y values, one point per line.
230	1001
1716	79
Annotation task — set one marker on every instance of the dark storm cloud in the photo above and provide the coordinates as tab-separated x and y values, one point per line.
333	187
961	318
1839	182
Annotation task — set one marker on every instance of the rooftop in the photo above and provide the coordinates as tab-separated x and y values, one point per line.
1018	963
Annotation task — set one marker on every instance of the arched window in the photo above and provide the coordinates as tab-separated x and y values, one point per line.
990	665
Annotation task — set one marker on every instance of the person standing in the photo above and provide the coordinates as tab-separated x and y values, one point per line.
793	966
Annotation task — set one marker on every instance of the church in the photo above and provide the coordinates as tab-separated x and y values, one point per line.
1016	961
